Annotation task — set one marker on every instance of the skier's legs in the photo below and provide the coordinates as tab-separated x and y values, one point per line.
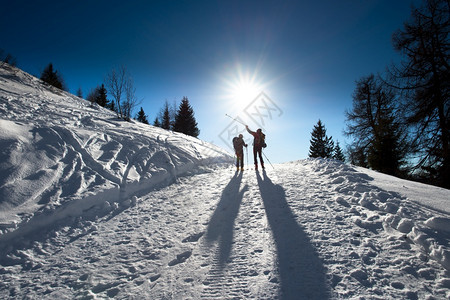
260	157
259	153
240	159
255	150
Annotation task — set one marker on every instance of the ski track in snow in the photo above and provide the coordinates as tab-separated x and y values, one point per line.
93	207
274	235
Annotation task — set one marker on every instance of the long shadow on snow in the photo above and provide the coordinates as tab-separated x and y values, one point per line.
302	274
221	224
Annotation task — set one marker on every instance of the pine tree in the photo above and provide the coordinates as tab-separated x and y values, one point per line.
156	123
112	106
338	154
7	58
166	121
80	93
92	97
101	96
185	121
321	144
52	77
142	117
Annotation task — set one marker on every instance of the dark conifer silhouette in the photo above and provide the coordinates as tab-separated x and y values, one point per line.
80	93
185	121
321	144
101	96
166	120
156	122
142	117
52	77
7	58
338	154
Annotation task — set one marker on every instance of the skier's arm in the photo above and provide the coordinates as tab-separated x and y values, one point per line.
243	143
249	131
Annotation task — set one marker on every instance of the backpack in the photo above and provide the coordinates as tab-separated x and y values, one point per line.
262	140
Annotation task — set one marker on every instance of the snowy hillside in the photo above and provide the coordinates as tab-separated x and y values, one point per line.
61	156
94	207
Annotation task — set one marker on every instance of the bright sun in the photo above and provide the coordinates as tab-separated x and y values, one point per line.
244	91
242	87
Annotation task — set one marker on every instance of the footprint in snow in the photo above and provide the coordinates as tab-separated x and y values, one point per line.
193	238
155	277
180	258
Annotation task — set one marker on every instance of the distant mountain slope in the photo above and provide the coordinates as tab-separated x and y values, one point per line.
58	148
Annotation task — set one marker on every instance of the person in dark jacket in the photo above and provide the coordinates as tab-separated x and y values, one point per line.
258	144
239	144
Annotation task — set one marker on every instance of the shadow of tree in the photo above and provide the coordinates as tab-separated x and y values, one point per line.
302	274
221	224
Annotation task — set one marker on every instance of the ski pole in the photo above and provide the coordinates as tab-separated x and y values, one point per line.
234	119
246	150
267	159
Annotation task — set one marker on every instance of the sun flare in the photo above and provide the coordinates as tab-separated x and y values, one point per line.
242	87
245	91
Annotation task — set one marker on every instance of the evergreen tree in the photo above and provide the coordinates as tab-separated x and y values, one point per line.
166	115
52	77
80	93
98	95
338	154
166	121
321	144
92	97
7	58
156	123
185	121
142	117
111	105
101	96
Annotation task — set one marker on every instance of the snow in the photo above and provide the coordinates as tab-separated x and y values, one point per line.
94	207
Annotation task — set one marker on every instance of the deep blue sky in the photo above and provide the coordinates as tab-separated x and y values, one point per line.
304	55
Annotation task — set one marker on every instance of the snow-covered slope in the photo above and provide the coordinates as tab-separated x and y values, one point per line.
60	155
94	207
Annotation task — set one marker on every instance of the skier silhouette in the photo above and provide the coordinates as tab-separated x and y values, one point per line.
239	144
258	144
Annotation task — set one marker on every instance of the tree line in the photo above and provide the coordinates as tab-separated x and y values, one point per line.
400	120
179	119
323	146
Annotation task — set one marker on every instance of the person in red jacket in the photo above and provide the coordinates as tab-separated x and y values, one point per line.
258	144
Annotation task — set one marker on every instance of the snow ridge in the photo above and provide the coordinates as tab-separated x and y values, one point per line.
391	211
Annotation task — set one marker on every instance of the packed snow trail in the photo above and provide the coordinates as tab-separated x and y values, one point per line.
287	234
